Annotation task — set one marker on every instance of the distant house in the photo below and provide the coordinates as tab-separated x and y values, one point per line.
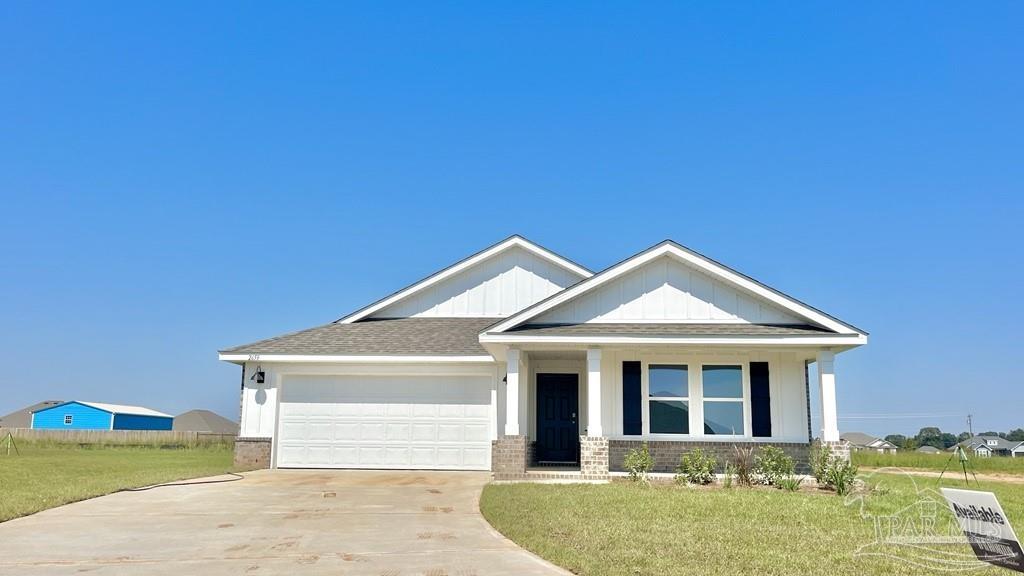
23	418
204	421
78	415
929	450
985	446
860	441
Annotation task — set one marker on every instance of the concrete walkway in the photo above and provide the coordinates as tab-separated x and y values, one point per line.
291	522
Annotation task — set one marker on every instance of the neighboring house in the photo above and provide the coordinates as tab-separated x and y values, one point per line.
985	446
23	418
78	415
516	356
861	441
1018	450
929	450
204	421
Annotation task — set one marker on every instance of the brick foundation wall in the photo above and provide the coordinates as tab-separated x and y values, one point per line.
666	453
509	457
840	449
594	457
252	453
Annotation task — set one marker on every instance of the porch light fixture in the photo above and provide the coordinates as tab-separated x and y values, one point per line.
259	376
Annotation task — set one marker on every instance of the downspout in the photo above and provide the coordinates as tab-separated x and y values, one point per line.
807	396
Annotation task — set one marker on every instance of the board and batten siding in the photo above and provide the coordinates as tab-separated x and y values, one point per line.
82	418
666	290
499	286
789	416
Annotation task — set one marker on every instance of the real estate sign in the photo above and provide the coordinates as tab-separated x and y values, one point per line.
986	527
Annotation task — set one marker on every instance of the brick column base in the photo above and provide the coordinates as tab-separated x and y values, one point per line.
252	453
509	457
594	457
840	449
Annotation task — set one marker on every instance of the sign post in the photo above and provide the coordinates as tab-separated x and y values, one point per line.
986	527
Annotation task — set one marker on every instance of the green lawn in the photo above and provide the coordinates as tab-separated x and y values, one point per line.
627	529
48	475
993	464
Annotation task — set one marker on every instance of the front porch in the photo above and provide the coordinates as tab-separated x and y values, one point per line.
573	414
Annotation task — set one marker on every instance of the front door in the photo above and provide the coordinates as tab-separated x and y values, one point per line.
558	430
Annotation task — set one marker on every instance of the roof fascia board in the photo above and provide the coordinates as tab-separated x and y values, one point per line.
446	273
702	263
787	340
308	358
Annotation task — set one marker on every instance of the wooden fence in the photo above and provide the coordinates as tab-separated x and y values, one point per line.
126	437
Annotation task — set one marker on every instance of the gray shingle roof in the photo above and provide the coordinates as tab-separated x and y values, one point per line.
204	421
649	329
388	337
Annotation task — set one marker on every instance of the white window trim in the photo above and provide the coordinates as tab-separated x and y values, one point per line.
744	367
645	388
69	419
695	369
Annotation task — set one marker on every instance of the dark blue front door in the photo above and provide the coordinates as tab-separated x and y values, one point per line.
558	430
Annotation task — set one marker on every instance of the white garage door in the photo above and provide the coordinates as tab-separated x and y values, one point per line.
400	422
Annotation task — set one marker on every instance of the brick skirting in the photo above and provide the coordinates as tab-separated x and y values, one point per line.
666	453
840	449
252	453
594	457
509	456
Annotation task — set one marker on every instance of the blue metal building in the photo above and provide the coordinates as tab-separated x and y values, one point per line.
78	415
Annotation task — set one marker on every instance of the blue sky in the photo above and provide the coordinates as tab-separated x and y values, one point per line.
178	179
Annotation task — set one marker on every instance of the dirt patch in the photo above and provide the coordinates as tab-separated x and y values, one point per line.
986	476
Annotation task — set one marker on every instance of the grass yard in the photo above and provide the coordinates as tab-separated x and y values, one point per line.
48	474
627	529
993	464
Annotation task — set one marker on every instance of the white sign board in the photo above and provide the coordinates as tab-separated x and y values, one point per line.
986	527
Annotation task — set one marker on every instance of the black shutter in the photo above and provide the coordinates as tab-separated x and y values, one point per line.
632	413
760	400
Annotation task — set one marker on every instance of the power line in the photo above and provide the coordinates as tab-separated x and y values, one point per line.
896	416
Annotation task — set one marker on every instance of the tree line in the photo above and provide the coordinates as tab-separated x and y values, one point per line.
933	436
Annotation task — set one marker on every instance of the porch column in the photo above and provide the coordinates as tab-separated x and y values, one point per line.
827	395
594	392
512	393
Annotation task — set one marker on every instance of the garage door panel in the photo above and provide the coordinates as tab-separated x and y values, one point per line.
426	422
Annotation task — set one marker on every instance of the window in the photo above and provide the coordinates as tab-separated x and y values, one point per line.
723	400
68	419
668	399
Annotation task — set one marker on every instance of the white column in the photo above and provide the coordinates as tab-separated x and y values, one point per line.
512	393
827	396
594	392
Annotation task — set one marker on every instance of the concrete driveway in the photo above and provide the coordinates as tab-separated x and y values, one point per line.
274	522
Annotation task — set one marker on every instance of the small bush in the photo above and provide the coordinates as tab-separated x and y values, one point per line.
638	463
772	465
696	468
821	456
743	465
841	476
727	474
790	483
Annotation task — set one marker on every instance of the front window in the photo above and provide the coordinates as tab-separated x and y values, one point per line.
668	398
68	419
723	400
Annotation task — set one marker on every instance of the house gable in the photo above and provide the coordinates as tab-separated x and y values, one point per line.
497	282
667	290
711	292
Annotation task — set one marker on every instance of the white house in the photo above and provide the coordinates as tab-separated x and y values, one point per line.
862	441
516	358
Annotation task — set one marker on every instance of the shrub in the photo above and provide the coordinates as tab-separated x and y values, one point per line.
821	456
727	475
790	483
696	468
772	465
638	463
841	476
743	464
